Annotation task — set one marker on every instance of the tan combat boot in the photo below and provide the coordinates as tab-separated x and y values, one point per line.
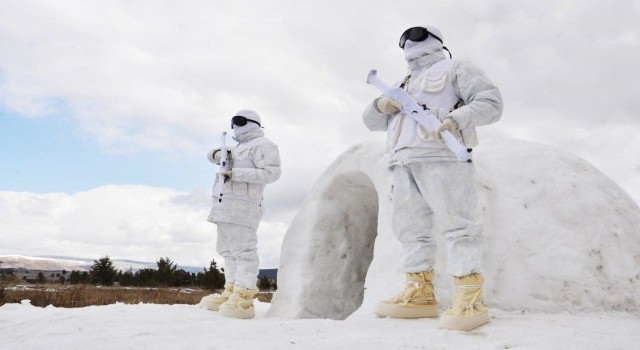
415	301
468	310
240	304
212	302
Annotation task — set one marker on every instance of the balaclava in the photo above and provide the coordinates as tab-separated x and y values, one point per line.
413	50
251	115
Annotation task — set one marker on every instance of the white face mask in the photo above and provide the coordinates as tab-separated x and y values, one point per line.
239	130
413	50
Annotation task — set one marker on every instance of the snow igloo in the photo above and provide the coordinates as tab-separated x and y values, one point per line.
559	236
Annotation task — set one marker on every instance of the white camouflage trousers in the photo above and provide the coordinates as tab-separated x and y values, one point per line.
238	245
430	196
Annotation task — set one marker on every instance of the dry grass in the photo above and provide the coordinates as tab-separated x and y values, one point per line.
86	295
264	297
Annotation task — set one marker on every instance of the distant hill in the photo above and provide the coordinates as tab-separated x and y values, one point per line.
58	263
39	263
53	262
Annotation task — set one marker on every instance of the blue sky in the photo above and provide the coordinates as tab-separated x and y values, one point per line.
50	154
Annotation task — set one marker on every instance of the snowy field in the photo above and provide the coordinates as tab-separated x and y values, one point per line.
148	326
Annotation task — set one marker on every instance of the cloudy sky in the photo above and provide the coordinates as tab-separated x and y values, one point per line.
107	109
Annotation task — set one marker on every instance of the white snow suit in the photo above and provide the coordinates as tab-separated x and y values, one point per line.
255	162
431	188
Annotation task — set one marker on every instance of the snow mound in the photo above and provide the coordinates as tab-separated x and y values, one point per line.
559	236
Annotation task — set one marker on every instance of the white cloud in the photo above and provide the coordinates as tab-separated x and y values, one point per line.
137	222
166	76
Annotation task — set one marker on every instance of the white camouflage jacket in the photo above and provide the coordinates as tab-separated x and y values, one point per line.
441	84
255	162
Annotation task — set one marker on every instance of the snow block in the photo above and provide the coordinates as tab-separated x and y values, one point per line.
559	236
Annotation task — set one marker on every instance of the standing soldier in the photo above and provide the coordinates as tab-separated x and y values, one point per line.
254	163
431	187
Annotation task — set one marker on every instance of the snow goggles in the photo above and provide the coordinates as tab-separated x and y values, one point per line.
241	121
416	34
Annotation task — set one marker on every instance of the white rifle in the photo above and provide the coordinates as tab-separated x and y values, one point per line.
224	165
422	116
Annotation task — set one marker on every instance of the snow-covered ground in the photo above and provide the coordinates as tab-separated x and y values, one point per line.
147	326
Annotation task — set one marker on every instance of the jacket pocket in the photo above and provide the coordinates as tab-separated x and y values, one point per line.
226	187
424	134
255	191
241	153
240	188
433	84
469	137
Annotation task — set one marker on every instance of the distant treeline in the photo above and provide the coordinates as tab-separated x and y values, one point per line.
167	274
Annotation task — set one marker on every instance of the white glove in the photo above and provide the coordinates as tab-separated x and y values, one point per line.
387	105
227	173
214	155
447	124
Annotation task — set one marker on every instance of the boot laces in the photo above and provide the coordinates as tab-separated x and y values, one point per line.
419	284
402	298
234	298
472	306
224	294
477	303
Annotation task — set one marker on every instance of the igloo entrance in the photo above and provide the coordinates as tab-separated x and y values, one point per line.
346	231
331	250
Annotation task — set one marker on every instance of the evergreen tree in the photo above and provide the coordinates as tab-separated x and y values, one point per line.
182	278
85	277
264	283
165	274
41	278
127	279
118	277
74	277
102	271
146	277
211	278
